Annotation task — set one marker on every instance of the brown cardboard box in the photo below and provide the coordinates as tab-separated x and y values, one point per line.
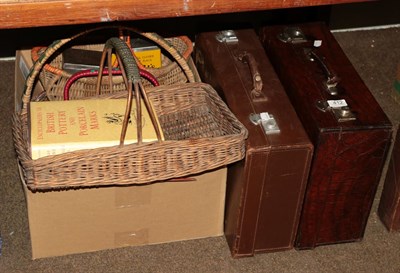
23	64
84	220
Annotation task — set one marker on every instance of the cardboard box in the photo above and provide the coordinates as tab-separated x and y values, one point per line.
23	64
85	220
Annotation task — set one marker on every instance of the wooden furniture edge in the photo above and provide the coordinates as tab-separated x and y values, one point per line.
28	13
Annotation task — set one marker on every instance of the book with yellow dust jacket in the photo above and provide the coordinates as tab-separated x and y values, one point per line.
64	126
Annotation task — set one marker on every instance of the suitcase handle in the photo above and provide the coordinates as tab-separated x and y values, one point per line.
332	80
294	35
256	93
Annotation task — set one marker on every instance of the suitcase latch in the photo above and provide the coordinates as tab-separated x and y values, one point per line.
339	108
267	121
292	35
227	36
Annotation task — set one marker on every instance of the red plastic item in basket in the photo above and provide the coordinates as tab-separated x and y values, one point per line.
93	73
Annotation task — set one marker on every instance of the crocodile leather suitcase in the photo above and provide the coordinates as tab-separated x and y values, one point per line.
265	191
350	132
389	204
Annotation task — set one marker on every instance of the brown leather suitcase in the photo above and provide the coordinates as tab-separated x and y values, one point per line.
350	132
389	204
265	191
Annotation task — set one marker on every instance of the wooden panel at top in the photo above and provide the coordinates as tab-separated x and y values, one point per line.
29	13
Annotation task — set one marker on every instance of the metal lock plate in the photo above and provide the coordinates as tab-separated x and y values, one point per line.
339	108
343	114
292	35
267	122
227	36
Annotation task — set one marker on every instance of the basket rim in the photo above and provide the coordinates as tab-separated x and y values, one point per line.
236	139
60	72
52	48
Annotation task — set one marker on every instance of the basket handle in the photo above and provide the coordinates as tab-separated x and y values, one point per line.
131	76
35	53
186	54
52	48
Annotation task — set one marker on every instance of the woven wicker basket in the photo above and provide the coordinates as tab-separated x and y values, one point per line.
53	77
200	133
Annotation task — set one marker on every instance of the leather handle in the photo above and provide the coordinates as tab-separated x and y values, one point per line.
294	35
332	80
256	92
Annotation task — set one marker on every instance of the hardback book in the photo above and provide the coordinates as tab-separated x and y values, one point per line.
76	59
64	126
147	53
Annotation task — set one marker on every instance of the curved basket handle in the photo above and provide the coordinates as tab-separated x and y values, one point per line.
131	76
35	53
186	54
51	49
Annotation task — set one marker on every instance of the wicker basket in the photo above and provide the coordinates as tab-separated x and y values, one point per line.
175	60
200	134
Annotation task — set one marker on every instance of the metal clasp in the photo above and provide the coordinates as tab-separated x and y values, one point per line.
292	35
267	121
227	36
339	108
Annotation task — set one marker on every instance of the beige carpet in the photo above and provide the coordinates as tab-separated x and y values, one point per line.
375	53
